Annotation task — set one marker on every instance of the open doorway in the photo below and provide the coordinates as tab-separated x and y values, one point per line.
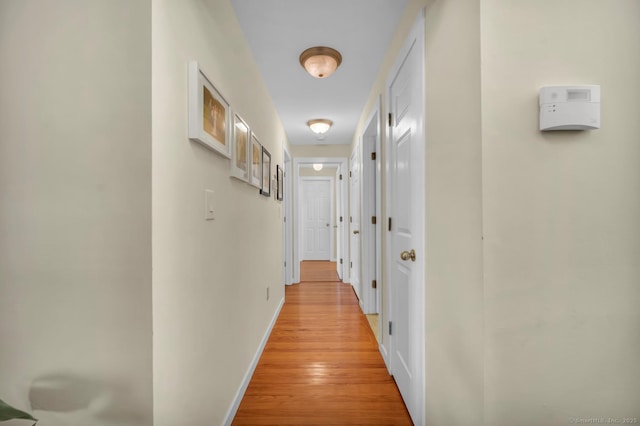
317	219
303	171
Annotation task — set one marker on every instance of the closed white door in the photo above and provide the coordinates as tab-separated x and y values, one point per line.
339	225
406	210
316	214
354	223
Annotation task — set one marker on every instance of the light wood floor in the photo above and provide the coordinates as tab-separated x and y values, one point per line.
316	270
373	323
321	365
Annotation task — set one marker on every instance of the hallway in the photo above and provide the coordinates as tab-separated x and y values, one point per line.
321	364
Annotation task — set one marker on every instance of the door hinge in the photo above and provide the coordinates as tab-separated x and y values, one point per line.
374	284
285	263
390	120
341	177
373	155
284	219
350	264
350	219
350	174
341	261
389	224
390	328
340	218
374	220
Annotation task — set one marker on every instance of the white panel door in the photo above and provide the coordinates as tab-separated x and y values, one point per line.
406	210
340	208
316	215
354	223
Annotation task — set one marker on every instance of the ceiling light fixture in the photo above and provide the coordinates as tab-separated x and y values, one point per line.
320	61
317	167
320	126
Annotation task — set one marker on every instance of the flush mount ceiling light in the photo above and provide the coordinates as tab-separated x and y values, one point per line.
320	61
317	167
320	126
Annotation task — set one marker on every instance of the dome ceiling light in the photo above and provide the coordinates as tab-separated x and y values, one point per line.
317	167
320	126
320	61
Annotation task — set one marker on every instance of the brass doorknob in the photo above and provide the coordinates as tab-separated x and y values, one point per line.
356	232
406	255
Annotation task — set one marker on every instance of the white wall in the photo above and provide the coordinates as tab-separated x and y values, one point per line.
75	211
561	215
210	278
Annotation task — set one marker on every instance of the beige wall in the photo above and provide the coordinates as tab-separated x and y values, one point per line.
298	151
326	171
454	293
562	209
454	296
536	324
210	277
75	211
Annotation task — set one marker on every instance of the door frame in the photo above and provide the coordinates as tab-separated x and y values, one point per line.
416	36
341	210
356	160
332	196
287	218
371	183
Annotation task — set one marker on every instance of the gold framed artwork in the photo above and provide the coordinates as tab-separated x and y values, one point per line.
209	113
255	178
265	189
240	149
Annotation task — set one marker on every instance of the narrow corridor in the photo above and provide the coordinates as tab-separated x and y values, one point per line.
321	364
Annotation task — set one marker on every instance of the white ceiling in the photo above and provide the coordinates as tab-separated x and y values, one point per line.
279	30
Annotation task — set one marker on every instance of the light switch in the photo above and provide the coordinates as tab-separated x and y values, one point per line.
208	204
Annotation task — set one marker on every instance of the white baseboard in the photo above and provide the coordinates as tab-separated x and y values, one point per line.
385	356
233	409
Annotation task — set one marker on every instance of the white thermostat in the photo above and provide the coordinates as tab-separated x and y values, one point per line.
570	107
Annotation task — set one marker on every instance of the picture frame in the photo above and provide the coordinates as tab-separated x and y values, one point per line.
255	156
265	189
209	113
279	183
240	149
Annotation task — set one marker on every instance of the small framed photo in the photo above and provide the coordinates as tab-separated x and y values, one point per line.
209	115
279	183
265	189
240	149
255	177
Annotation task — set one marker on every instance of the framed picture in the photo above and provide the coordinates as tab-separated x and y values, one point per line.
255	178
279	183
265	189
240	149
209	115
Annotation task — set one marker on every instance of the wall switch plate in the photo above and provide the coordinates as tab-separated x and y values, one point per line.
208	204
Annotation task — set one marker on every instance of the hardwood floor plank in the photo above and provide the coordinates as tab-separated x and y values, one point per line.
321	364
